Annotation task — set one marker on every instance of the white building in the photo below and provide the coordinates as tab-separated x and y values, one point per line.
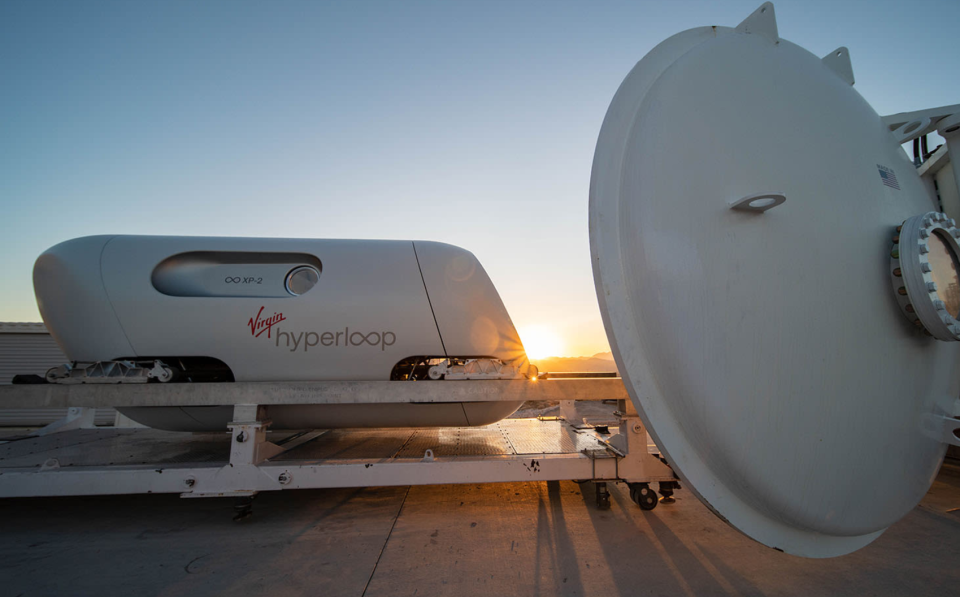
28	348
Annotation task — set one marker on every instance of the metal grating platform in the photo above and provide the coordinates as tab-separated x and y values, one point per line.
485	441
349	444
509	437
108	447
533	436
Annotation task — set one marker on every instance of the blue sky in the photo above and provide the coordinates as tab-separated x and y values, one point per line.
472	123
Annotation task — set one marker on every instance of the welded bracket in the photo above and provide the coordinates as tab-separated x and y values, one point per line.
839	62
945	121
77	417
907	126
763	22
249	432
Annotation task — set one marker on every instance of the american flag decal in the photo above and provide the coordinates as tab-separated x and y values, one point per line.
888	177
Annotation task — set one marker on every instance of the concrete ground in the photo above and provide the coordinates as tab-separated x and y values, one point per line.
543	538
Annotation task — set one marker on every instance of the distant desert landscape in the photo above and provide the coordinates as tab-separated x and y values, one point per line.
602	362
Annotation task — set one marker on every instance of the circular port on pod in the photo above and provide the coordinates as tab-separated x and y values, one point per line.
301	279
925	270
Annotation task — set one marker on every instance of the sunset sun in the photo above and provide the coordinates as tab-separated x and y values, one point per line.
540	342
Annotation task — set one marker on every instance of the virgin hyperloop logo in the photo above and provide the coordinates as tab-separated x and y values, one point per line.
259	326
305	340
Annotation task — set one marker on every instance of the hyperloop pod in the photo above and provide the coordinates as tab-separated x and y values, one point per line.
779	288
195	309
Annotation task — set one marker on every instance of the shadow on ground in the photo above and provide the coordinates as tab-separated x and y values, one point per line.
499	539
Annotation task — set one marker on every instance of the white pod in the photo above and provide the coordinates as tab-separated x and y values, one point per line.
278	310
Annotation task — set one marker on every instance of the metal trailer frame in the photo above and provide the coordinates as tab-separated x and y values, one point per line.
254	462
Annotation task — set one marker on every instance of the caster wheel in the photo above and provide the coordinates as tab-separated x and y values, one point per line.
166	375
644	497
163	373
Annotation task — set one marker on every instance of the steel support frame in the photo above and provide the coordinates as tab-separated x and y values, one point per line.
250	471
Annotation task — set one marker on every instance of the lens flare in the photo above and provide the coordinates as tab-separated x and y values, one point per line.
541	342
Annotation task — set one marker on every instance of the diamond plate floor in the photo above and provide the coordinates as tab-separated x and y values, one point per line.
507	438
